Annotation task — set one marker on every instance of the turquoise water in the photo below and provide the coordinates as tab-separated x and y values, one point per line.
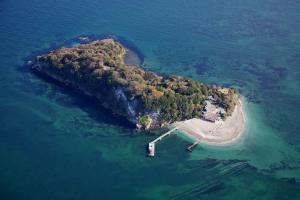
55	144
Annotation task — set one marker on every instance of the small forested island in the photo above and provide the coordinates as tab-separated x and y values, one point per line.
144	98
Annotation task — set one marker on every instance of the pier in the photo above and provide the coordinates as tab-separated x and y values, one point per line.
151	145
189	148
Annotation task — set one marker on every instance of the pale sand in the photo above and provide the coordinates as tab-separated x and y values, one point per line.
222	133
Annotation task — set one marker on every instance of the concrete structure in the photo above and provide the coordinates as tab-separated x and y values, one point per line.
151	149
193	145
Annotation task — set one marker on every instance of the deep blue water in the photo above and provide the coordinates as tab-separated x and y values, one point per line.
55	144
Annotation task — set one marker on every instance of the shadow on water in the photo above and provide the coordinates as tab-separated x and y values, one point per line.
88	104
204	65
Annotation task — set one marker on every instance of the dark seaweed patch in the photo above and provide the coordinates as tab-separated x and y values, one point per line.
204	65
252	96
209	163
213	188
289	180
271	76
268	77
210	187
250	24
222	170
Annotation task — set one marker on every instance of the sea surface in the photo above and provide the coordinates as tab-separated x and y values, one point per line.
55	144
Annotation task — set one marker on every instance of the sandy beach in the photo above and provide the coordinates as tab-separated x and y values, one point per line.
218	133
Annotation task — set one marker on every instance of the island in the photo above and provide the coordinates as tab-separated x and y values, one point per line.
146	99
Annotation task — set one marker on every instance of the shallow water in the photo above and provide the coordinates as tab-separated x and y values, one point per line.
55	144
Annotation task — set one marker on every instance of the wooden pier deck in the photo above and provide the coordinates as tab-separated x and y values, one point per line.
151	145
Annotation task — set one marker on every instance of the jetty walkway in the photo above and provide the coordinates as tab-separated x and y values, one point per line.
193	145
151	145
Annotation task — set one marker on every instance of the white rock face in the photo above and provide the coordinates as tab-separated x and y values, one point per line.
131	105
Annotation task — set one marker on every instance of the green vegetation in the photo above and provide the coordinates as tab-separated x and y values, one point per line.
98	68
145	120
226	98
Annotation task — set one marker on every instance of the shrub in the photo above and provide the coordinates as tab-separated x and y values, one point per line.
145	121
